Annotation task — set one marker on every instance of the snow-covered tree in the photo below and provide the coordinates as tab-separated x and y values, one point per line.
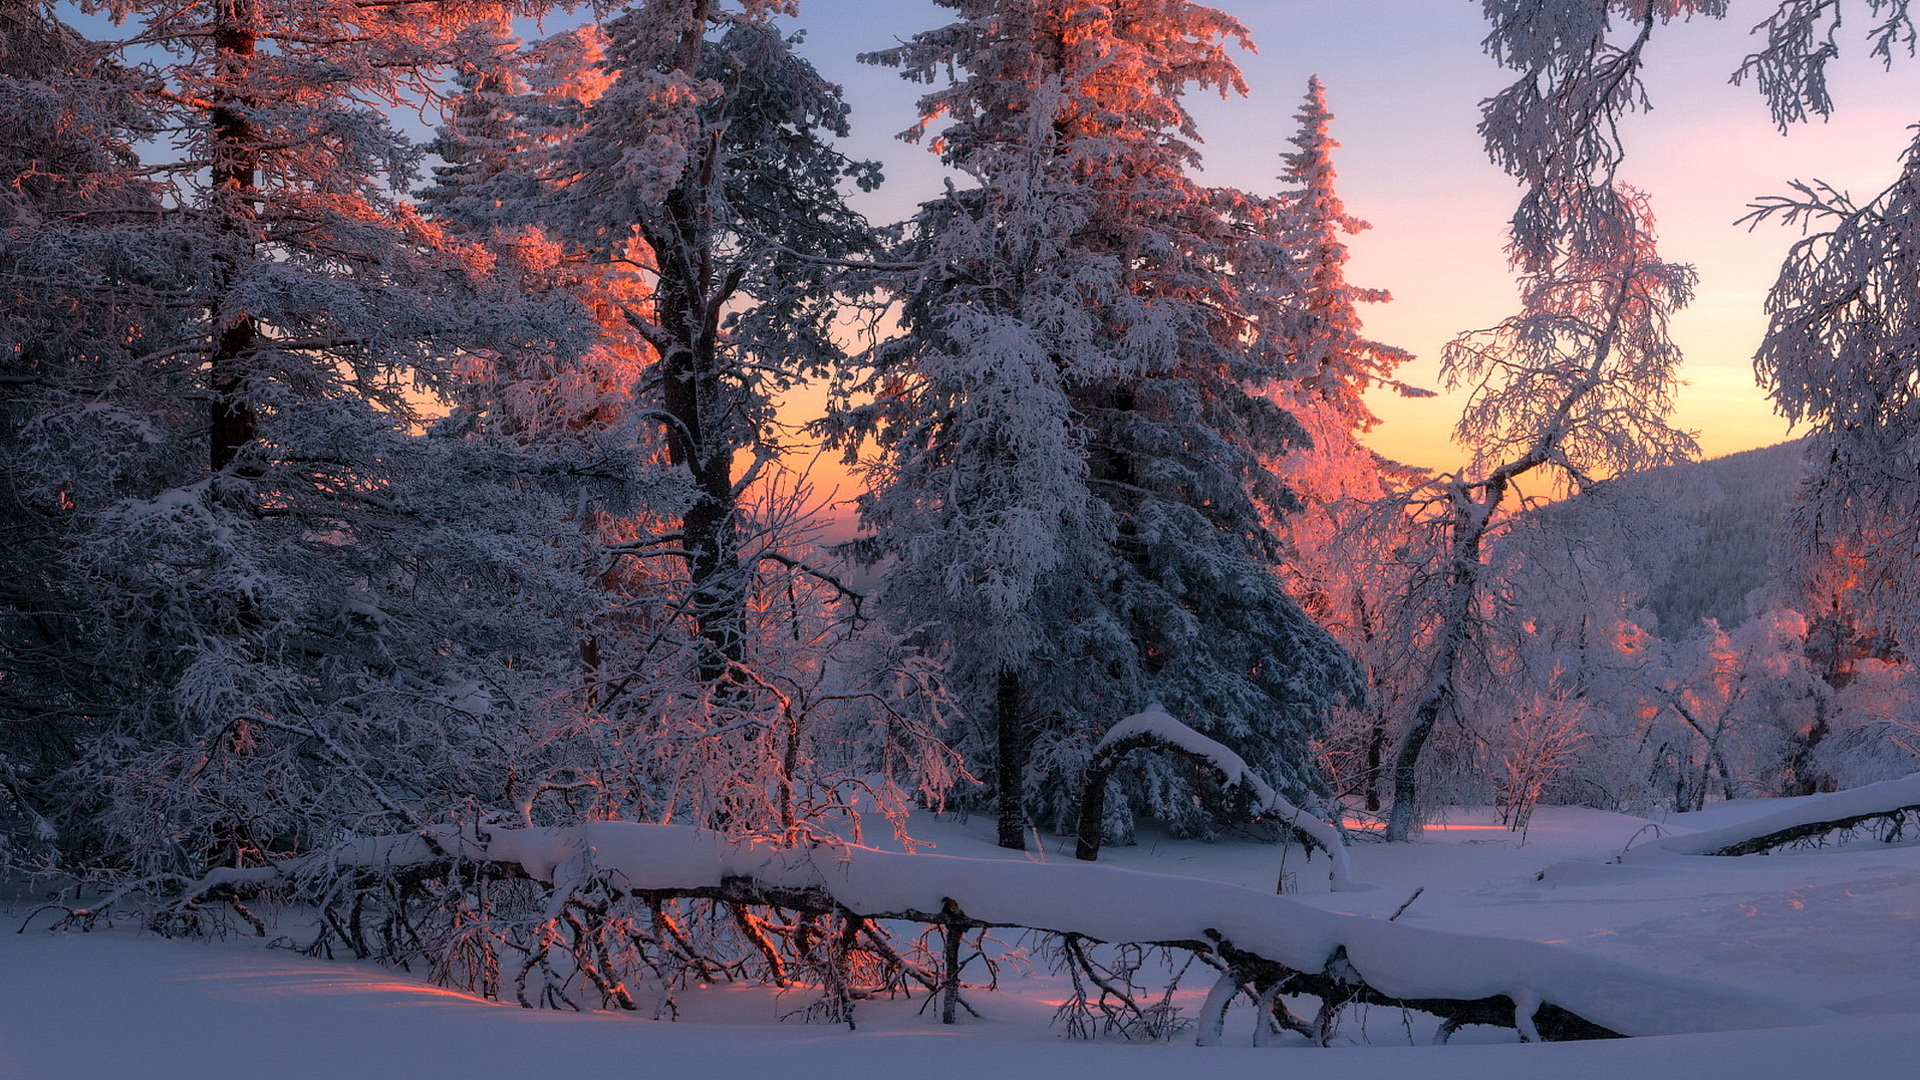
516	110
1556	128
1579	383
299	614
1340	542
1349	558
1801	37
1838	351
677	168
1070	493
1332	359
81	298
1839	356
1563	651
709	164
1577	386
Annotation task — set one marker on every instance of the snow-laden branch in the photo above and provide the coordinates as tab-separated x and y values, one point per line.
1261	940
1806	818
1154	728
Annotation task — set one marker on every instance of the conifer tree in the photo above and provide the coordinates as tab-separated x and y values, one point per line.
712	150
1334	361
82	299
517	109
677	166
1340	542
1071	426
297	610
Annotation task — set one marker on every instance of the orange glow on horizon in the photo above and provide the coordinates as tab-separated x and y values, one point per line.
328	984
1363	825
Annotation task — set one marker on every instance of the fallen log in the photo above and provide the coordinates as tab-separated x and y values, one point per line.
1808	819
1264	943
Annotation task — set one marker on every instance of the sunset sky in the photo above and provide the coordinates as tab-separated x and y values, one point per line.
1404	78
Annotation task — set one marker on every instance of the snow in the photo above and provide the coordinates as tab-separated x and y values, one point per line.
1156	721
1834	930
1121	905
1765	817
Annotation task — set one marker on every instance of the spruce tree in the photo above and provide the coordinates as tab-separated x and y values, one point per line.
1334	361
1071	490
678	167
302	615
1341	541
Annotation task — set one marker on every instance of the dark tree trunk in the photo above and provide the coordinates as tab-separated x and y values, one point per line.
689	300
1376	751
1377	727
1010	772
1093	792
710	529
233	177
1803	777
1835	647
1093	805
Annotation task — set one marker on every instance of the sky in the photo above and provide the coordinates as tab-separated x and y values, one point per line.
1404	79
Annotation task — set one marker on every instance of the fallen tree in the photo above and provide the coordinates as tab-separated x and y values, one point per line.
1884	809
1154	729
605	892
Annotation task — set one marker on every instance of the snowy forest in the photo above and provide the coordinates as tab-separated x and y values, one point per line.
412	555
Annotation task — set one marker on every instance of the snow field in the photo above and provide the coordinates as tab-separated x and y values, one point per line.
1835	930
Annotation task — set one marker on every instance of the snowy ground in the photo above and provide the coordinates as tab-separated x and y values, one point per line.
1839	929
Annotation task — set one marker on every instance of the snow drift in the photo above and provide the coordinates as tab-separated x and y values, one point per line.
1806	818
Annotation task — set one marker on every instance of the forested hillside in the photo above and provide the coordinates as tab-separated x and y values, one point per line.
1729	511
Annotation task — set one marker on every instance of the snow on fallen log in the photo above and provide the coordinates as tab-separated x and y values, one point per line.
1262	940
1155	728
1805	818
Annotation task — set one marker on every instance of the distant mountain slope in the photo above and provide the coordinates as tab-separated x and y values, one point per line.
1733	506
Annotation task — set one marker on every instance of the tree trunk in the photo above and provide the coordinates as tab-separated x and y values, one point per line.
689	298
1331	956
1376	754
1406	767
1803	778
1377	727
1093	799
1471	519
232	177
1010	772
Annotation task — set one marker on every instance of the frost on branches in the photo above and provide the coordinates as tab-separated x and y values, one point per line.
1579	383
1810	691
601	912
272	610
1839	355
1153	729
1071	427
259	607
1339	542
